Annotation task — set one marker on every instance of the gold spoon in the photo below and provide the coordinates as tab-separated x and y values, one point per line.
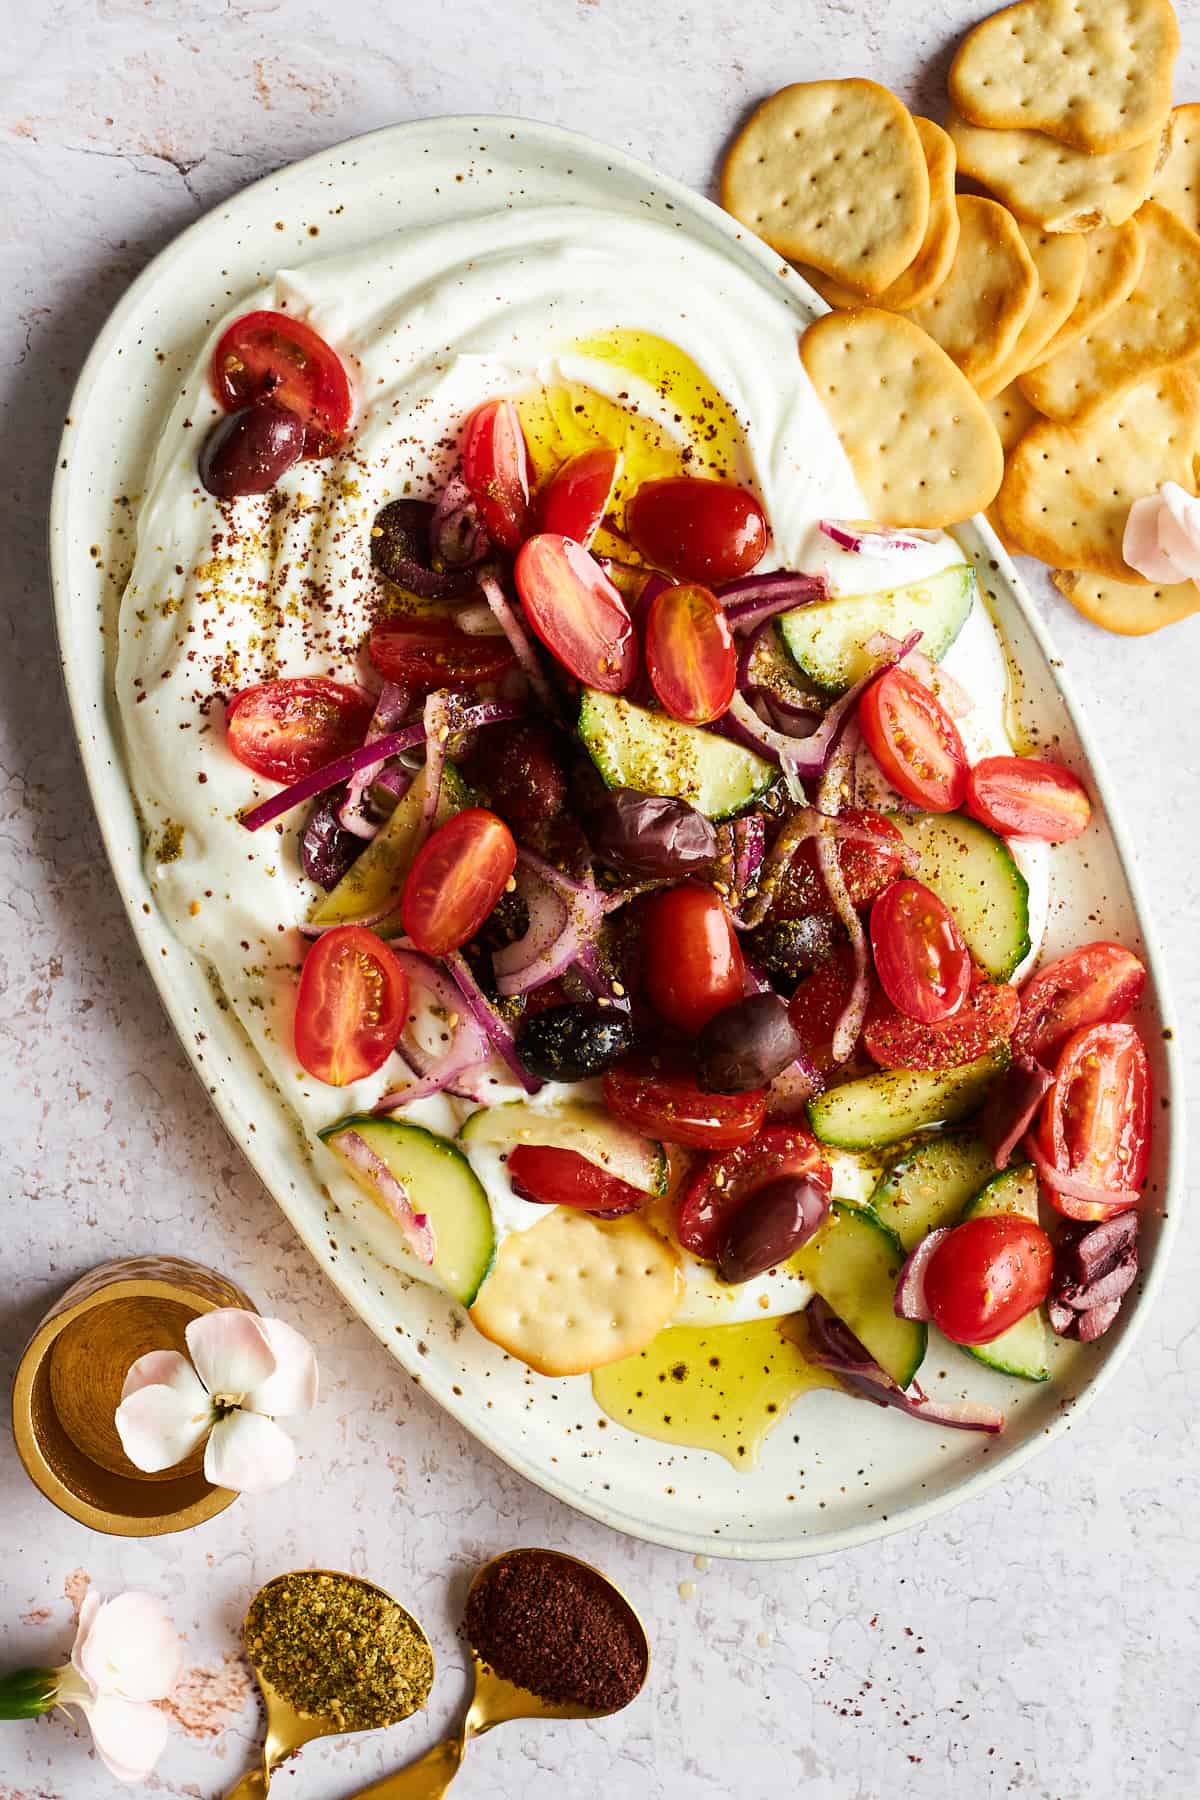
289	1730
494	1701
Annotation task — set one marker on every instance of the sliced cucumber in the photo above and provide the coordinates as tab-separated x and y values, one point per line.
377	876
853	1262
827	640
1025	1347
929	1185
588	1129
440	1182
633	747
973	871
884	1108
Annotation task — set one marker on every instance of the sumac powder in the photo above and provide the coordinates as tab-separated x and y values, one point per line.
555	1627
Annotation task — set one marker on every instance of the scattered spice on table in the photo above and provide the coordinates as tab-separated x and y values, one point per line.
337	1648
557	1628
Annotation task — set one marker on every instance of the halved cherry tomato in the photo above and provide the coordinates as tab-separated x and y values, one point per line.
691	657
721	1185
1095	1121
692	961
865	869
660	1097
564	1178
456	879
351	1007
272	356
576	611
818	1002
698	530
289	728
921	960
915	741
985	1019
495	466
578	495
431	652
986	1275
1094	985
1020	796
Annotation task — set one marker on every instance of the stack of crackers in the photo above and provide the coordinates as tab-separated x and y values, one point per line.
1035	350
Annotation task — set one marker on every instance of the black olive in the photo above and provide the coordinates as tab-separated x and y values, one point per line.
771	1226
327	849
648	835
795	947
569	1043
247	451
401	550
745	1045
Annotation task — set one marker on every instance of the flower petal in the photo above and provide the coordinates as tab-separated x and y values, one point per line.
132	1648
1140	546
164	1368
249	1453
158	1426
293	1387
129	1735
88	1608
230	1350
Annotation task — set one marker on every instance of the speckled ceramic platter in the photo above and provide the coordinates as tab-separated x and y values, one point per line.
835	1472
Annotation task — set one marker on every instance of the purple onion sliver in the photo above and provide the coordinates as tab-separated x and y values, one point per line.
457	537
1012	1106
490	1021
910	1301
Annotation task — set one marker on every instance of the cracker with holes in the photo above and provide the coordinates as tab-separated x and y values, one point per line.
574	1292
1177	183
1011	414
1052	185
1155	326
1068	488
1058	258
1113	257
977	313
933	261
916	434
1095	74
832	173
1120	606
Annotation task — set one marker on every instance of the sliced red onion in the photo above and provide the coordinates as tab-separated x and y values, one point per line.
599	980
789	1092
848	1029
1073	1186
457	537
1012	1106
391	709
416	1227
952	695
519	639
442	719
564	917
433	999
910	1301
864	538
810	822
749	848
840	1351
489	1020
757	598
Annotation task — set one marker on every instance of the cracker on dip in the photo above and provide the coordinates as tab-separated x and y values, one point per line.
1051	184
977	313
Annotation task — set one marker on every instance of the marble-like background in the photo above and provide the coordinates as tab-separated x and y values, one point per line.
1041	1642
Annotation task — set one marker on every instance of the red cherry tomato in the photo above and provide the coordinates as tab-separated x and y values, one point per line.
915	741
1095	1121
578	495
698	530
865	869
692	961
495	465
985	1019
922	963
289	728
431	652
564	1178
456	879
351	1007
1019	796
272	356
720	1185
986	1275
691	657
1094	985
577	612
818	1002
660	1097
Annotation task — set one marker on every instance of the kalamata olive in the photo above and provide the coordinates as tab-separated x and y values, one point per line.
745	1045
326	848
569	1043
647	835
794	947
518	772
401	550
772	1225
247	451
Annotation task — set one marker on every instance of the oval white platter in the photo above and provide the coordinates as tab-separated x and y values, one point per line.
835	1472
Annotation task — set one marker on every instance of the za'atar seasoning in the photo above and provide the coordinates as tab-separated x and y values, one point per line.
553	1626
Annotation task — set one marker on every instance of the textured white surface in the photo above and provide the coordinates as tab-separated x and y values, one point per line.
1043	1641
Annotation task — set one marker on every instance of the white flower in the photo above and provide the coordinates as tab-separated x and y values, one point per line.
244	1372
1162	535
125	1656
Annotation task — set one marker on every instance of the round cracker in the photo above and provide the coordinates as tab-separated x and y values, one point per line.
574	1292
1113	258
916	434
832	173
1177	183
1051	184
1132	611
1011	414
1059	259
977	313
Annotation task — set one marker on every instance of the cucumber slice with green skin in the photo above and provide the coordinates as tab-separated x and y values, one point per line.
826	640
929	1185
884	1108
579	1125
636	748
377	876
853	1262
973	871
1025	1347
439	1181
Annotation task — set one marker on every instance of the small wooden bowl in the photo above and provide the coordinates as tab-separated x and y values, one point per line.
68	1386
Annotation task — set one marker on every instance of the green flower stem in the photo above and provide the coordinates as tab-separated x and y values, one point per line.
27	1692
